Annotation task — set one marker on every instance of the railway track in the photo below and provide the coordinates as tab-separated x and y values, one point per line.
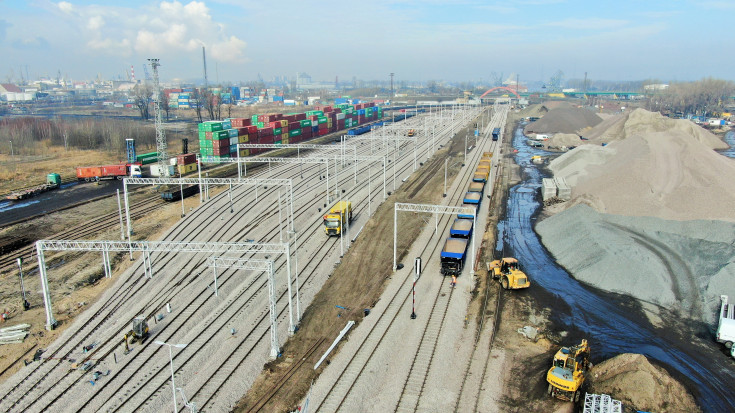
187	278
81	231
409	398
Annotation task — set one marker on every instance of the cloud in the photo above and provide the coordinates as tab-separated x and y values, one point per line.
65	6
231	50
165	29
95	23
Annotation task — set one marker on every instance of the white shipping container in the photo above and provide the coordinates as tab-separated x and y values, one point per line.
234	141
340	116
156	170
172	161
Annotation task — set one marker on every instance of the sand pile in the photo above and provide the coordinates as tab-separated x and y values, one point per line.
563	120
662	174
681	265
642	122
639	385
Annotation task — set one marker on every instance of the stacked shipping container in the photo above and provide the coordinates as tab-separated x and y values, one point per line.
220	138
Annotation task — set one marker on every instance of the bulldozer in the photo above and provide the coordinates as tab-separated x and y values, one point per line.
139	332
567	373
508	271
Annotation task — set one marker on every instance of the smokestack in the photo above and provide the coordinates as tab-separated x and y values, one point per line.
204	61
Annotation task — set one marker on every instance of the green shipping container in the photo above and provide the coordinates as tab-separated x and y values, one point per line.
295	132
277	131
305	123
219	135
321	120
210	126
278	142
205	144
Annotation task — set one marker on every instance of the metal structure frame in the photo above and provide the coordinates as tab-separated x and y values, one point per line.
252	264
601	403
297	146
201	181
433	209
161	144
162	246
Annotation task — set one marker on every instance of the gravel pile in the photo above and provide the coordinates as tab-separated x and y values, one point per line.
640	385
670	240
563	120
663	174
681	265
637	122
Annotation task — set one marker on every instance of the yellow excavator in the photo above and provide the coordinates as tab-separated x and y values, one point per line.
567	373
139	332
508	271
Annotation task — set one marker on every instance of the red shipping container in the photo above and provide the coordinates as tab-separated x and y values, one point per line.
323	132
300	116
261	118
224	143
322	126
186	159
221	151
252	129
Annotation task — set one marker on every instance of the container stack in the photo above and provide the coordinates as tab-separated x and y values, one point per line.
186	163
279	128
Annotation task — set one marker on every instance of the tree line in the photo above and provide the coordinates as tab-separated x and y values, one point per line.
706	97
28	134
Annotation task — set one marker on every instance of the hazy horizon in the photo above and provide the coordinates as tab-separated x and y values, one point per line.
417	40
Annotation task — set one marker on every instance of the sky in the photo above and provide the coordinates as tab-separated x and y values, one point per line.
418	40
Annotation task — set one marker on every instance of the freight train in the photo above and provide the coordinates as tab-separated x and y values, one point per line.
175	194
454	252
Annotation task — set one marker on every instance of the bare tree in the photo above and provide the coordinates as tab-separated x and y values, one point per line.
199	101
165	104
705	97
142	99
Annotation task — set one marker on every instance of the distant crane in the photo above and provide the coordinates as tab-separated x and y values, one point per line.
160	133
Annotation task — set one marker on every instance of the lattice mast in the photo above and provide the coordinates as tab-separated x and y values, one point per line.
161	145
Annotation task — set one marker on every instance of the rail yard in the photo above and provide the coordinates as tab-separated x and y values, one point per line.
228	334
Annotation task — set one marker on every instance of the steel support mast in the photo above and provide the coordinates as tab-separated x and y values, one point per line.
160	133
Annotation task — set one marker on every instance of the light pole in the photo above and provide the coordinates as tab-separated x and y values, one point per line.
12	154
171	357
444	194
26	304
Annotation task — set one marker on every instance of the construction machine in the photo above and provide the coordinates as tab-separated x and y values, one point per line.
411	132
567	373
508	271
139	332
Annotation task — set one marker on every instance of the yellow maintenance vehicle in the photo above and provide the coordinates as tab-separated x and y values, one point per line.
139	332
339	215
411	132
508	271
567	373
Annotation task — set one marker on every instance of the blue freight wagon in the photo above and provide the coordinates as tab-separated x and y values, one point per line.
496	134
461	228
453	256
